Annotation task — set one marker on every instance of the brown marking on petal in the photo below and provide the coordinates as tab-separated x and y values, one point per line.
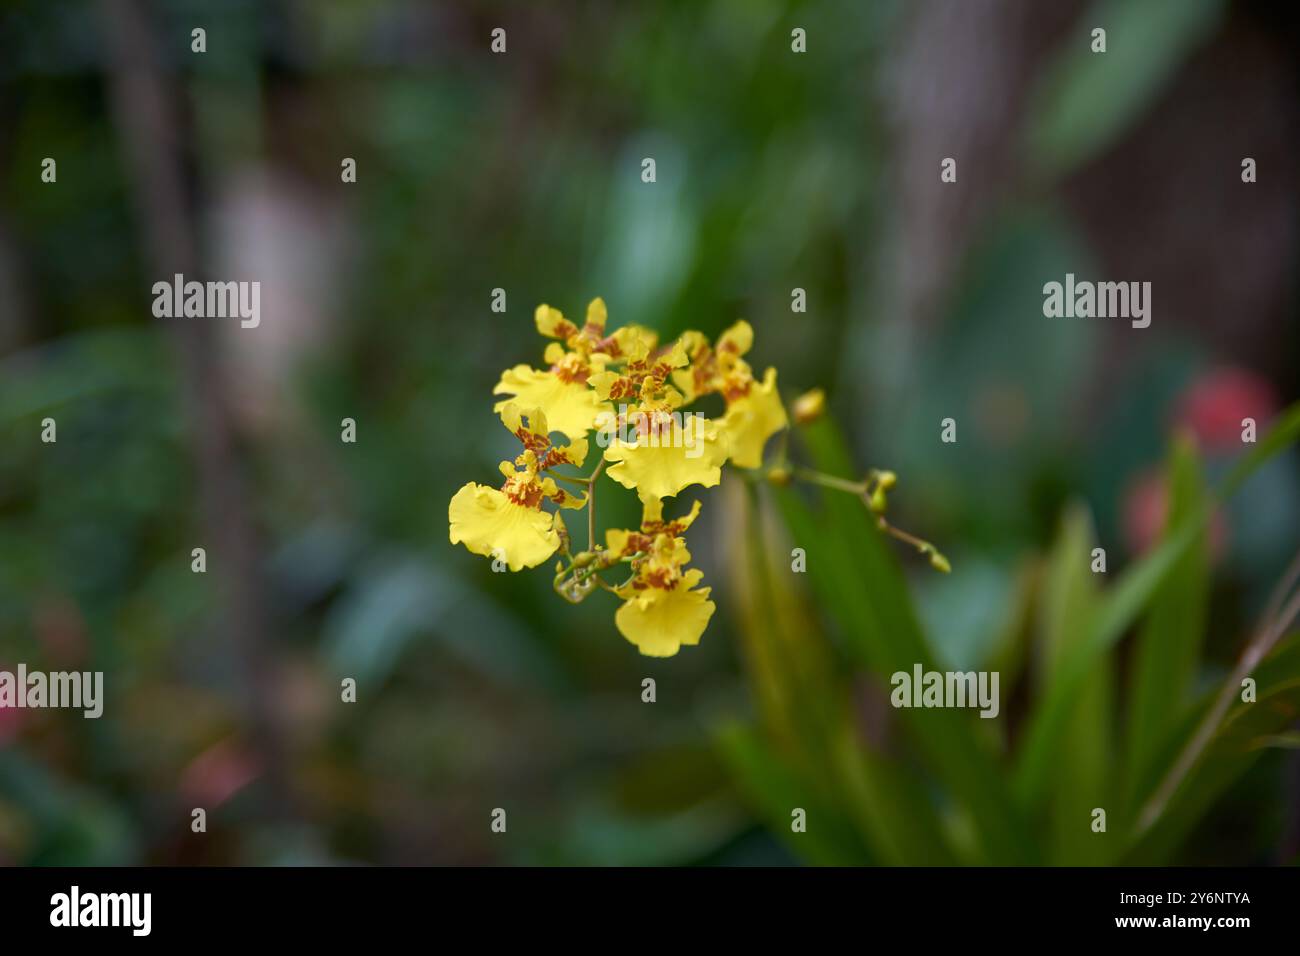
636	542
622	388
522	491
733	389
662	578
674	528
571	369
660	424
532	441
558	456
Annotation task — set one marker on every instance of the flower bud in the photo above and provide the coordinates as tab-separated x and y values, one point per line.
778	475
809	406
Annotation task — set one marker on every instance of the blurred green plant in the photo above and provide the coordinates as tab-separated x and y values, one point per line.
1084	102
937	786
775	170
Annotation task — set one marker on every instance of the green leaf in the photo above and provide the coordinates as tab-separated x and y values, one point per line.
858	576
808	710
1087	100
775	789
1168	647
1080	779
1120	608
800	696
1236	745
891	807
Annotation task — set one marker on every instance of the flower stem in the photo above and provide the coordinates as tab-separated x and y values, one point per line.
918	543
591	506
830	481
923	547
872	491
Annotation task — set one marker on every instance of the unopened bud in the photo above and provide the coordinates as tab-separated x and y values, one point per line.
809	406
778	475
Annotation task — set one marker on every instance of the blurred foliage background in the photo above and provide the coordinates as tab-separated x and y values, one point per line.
521	171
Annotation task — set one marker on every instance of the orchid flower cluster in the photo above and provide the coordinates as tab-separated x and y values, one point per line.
630	388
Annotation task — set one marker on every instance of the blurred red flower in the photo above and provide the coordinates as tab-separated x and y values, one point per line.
1213	406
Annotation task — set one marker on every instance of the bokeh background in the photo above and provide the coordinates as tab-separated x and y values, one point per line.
521	171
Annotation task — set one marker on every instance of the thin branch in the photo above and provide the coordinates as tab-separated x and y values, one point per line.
591	506
830	481
1271	628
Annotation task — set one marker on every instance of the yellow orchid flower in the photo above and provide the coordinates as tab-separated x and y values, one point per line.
752	418
561	390
571	407
621	543
529	425
490	523
709	366
670	452
736	340
754	411
590	341
644	374
649	446
696	378
663	610
630	340
510	524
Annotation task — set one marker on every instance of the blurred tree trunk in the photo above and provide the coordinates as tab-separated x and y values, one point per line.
153	143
